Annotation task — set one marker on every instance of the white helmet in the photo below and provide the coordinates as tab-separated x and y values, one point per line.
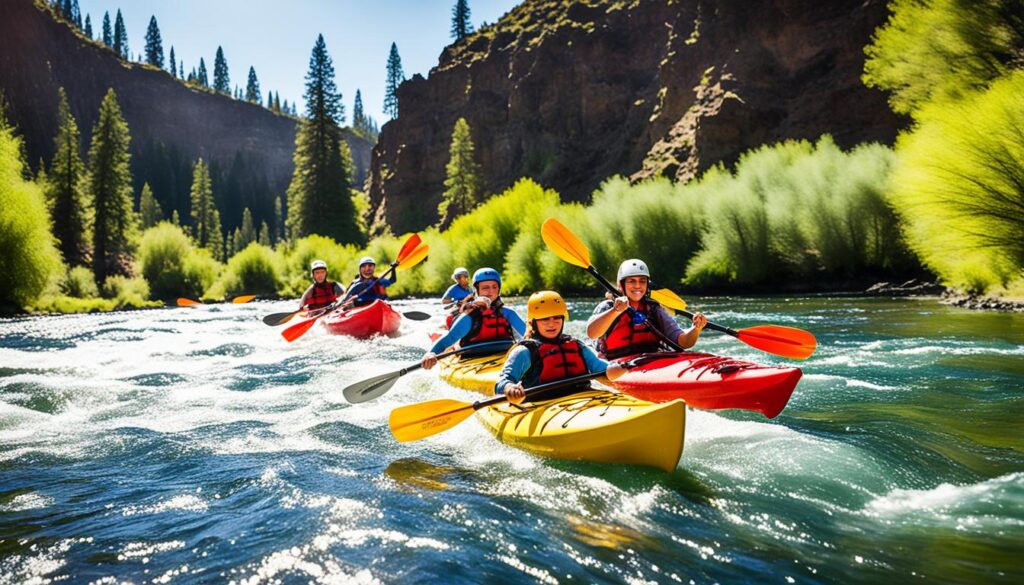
317	264
367	260
460	271
633	267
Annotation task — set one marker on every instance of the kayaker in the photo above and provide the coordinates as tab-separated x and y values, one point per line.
486	319
360	285
621	334
547	354
322	292
456	294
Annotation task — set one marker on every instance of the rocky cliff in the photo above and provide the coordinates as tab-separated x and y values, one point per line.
249	147
572	92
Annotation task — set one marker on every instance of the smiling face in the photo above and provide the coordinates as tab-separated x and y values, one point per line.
550	327
463	280
320	275
489	289
635	287
366	270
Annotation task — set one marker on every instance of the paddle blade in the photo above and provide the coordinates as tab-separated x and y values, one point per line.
783	341
242	299
275	319
410	244
564	243
416	315
669	299
298	330
415	257
421	420
368	390
183	302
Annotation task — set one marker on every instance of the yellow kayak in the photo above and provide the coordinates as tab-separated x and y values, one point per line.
596	425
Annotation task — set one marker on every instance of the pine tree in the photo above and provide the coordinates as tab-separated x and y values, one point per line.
264	237
252	88
461	27
278	220
108	37
221	82
395	78
120	36
76	14
358	117
247	231
230	249
66	188
149	208
181	70
175	218
319	196
154	44
88	26
174	64
205	216
201	77
463	184
110	184
284	108
277	102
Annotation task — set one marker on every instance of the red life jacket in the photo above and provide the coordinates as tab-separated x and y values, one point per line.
322	295
555	360
366	295
627	338
488	324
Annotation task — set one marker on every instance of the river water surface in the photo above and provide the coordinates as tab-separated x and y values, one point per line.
196	445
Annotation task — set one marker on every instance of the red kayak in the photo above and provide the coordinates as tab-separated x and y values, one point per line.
710	382
377	318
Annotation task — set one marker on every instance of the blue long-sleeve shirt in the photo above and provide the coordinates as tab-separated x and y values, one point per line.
518	362
462	326
456	293
368	294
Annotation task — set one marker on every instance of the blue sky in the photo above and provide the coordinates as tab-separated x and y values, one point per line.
277	37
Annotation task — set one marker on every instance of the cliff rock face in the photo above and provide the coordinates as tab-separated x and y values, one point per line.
570	93
249	147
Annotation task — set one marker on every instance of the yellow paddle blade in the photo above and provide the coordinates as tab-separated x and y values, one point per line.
564	243
410	244
414	257
242	299
419	421
669	299
183	302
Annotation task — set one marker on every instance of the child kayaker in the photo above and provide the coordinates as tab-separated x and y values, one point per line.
486	319
621	334
365	294
547	354
322	292
456	294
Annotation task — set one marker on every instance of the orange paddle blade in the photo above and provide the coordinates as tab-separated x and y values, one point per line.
298	330
183	302
564	243
668	299
419	421
784	341
414	257
242	299
409	245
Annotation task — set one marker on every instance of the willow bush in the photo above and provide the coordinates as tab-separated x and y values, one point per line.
256	270
172	265
298	255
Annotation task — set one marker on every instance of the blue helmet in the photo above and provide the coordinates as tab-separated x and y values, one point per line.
486	274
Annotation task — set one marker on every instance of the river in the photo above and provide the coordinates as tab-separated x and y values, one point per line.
196	445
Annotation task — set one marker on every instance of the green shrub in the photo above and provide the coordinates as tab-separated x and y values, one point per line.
298	256
256	270
29	259
80	284
127	292
172	265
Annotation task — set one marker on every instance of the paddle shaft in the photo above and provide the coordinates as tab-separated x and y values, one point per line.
664	338
372	283
538	389
461	350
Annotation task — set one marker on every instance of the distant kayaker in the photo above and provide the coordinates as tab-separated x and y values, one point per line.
364	294
547	354
457	294
621	334
322	292
486	319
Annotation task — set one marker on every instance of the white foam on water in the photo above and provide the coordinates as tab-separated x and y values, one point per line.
980	506
180	503
147	549
29	501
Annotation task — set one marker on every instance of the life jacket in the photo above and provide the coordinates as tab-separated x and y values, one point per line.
625	337
551	361
365	295
487	325
322	295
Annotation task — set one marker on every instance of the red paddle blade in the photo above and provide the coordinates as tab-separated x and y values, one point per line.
409	245
783	341
298	330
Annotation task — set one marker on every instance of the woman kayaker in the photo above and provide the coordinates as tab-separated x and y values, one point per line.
360	285
621	334
322	292
456	294
486	319
547	354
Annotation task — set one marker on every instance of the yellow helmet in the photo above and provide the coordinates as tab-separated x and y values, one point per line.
544	304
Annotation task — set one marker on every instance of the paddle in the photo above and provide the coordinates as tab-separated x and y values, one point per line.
275	319
186	302
377	386
242	299
775	339
412	253
419	421
183	302
783	341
